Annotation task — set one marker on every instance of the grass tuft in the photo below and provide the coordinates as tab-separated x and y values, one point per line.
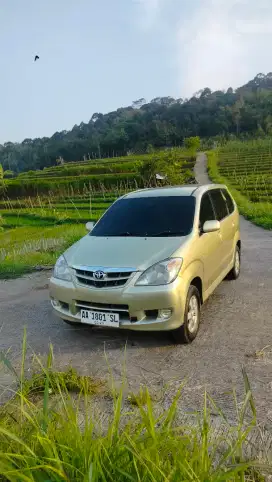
141	398
68	381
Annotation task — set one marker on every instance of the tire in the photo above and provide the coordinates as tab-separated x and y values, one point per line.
235	271
187	332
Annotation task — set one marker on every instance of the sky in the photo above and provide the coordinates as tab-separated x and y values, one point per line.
98	55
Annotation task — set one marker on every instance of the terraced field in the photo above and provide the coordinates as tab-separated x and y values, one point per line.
43	212
118	174
249	170
246	167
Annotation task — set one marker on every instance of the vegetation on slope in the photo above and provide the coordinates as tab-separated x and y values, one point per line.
160	123
123	173
246	167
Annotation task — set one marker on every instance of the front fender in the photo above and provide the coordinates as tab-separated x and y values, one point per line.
193	270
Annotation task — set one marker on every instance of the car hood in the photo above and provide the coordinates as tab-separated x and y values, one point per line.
126	252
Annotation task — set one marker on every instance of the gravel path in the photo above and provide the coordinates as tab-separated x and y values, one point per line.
236	330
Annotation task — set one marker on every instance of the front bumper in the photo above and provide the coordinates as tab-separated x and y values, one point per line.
139	301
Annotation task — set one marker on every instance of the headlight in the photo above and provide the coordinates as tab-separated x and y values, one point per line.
61	270
161	273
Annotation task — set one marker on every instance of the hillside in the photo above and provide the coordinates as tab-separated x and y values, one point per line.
163	122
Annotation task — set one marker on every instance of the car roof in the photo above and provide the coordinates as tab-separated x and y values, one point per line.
195	190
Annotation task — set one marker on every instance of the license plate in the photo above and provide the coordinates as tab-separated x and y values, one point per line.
100	318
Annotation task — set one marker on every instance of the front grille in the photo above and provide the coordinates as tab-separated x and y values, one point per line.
110	277
122	310
101	284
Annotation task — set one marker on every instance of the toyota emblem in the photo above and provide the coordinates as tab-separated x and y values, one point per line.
99	275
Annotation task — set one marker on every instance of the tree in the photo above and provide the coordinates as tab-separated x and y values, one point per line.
137	104
205	93
192	143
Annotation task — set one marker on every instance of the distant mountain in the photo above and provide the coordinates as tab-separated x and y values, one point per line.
163	122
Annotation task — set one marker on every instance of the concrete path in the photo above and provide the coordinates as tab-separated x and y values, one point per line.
200	169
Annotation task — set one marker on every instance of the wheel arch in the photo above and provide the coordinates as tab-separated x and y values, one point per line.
197	282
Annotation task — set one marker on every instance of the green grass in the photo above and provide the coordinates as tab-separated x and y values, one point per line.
39	217
58	436
36	231
23	249
259	213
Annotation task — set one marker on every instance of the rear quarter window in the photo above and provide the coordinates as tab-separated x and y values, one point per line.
206	210
228	200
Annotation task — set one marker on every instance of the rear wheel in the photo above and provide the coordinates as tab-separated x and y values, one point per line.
235	271
187	332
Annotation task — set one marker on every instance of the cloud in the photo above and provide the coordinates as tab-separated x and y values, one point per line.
224	43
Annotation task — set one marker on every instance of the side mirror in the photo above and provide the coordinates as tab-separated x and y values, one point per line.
211	226
89	226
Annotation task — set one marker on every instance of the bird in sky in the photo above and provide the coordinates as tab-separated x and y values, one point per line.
36	58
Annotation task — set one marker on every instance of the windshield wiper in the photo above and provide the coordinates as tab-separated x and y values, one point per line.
168	233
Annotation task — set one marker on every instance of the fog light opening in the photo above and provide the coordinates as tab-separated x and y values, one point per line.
56	303
151	315
165	314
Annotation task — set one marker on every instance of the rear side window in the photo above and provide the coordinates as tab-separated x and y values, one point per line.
219	203
206	210
228	200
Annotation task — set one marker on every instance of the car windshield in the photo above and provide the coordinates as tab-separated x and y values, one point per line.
148	216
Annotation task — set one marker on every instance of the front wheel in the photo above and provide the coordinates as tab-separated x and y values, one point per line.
235	271
187	332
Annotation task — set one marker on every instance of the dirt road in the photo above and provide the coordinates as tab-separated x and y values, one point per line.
236	330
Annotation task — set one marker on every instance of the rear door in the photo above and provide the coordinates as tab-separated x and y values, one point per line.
219	201
232	223
210	244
